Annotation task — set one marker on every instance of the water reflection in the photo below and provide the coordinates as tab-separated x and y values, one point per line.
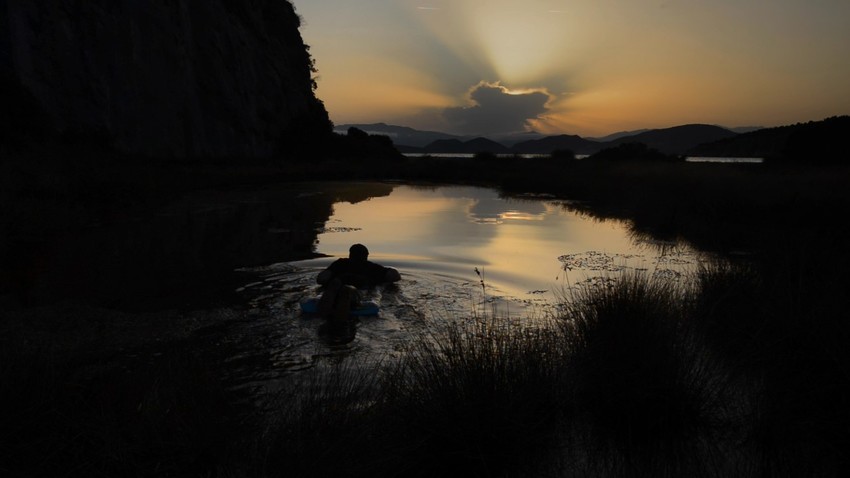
450	231
527	251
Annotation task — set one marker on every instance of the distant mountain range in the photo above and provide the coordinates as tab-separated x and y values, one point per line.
675	140
401	135
475	145
408	137
824	138
618	135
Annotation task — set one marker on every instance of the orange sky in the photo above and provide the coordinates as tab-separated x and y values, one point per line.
605	65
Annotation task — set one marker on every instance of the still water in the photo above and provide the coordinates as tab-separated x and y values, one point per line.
690	159
521	246
526	253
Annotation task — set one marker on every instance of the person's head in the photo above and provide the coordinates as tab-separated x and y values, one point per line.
358	252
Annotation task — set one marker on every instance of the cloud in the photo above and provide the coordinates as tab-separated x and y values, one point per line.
496	109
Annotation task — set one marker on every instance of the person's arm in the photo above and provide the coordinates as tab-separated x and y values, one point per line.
327	275
324	277
391	275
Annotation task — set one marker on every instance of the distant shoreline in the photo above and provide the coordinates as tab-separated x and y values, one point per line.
689	159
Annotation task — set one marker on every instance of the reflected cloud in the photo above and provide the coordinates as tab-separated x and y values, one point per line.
522	216
498	211
450	231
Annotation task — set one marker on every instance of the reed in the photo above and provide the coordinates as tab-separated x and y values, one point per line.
744	375
651	396
488	395
639	376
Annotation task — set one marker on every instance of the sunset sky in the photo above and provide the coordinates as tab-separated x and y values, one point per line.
588	67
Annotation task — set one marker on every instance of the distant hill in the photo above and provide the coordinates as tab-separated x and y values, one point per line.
445	146
546	145
410	140
763	143
678	139
401	135
511	139
618	135
823	141
476	145
745	129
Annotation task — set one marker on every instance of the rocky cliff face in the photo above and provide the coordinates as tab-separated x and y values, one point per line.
177	78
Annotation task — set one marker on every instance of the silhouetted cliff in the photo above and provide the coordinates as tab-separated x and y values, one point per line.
183	78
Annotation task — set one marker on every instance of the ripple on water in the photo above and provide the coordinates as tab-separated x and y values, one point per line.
276	339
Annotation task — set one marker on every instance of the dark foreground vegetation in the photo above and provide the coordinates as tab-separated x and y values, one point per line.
745	374
640	379
734	377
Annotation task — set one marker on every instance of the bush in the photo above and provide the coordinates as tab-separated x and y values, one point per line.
641	378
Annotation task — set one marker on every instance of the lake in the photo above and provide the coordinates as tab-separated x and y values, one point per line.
527	251
689	159
444	234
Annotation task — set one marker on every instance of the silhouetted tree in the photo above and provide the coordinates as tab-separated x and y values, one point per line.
563	155
820	142
484	156
633	152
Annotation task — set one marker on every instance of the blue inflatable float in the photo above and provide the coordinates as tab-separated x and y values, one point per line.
365	308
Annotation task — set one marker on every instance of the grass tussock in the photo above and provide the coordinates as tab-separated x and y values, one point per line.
650	396
476	398
636	377
617	385
486	395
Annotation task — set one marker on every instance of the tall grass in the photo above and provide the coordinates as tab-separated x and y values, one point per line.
475	398
640	376
652	398
617	385
486	395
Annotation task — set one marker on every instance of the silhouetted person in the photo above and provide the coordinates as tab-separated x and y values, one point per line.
344	276
357	270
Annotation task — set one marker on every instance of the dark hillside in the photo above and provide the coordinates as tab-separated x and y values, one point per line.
547	145
401	135
822	142
618	135
679	139
484	145
477	145
676	140
765	143
815	142
444	146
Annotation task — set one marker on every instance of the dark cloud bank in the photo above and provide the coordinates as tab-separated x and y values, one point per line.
496	111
